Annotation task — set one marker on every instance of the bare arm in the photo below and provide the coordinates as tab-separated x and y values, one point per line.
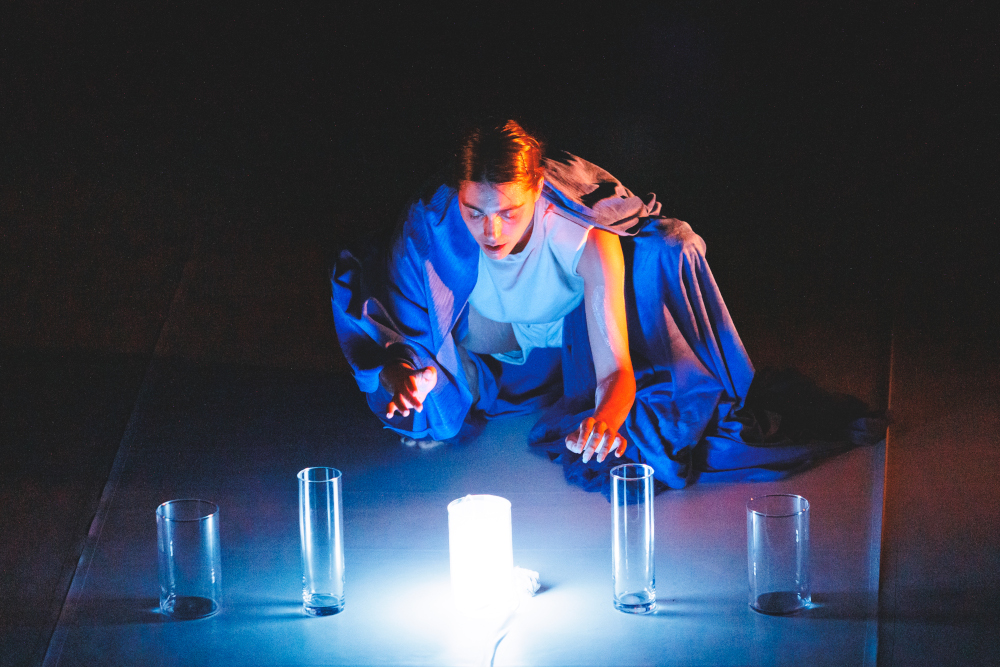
602	267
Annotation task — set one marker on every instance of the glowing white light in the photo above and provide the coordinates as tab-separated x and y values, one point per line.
482	555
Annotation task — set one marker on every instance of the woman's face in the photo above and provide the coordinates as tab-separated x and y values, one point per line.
498	215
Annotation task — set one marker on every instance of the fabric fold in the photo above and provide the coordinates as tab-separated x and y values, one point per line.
695	416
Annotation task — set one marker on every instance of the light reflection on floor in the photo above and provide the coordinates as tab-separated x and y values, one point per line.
398	600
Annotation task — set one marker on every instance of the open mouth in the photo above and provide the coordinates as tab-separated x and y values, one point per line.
493	248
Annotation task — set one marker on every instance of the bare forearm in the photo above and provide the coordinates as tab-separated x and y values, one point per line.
602	267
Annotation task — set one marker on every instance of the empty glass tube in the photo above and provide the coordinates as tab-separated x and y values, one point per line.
778	553
321	529
632	540
190	558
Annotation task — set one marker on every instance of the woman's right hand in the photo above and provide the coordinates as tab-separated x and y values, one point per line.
408	386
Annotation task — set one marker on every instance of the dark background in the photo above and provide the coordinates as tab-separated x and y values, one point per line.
838	158
831	141
845	145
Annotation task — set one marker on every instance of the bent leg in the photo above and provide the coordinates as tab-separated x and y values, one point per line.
692	371
694	374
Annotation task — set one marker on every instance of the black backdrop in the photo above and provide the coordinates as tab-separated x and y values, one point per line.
762	115
830	139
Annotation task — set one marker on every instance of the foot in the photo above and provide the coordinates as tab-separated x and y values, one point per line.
422	444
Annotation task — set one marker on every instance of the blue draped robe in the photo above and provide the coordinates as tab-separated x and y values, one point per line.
692	371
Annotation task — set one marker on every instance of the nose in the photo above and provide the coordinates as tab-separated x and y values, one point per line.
492	227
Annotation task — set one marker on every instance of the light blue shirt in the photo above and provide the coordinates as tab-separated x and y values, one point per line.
537	287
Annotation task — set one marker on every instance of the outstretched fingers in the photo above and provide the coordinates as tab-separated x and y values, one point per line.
595	438
405	399
412	392
575	442
402	403
610	442
622	445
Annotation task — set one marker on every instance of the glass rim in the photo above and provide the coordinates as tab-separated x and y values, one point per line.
803	509
490	498
331	474
618	472
161	509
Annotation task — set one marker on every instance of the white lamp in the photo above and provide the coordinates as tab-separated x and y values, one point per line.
482	555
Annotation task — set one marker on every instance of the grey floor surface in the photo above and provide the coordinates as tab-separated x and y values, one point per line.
237	436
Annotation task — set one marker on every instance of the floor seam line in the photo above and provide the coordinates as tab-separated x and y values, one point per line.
56	642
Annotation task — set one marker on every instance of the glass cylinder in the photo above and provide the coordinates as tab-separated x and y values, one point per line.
632	538
321	529
778	553
482	554
189	558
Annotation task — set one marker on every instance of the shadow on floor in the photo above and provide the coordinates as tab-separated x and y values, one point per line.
63	414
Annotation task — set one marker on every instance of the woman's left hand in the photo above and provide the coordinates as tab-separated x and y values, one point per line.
602	267
595	437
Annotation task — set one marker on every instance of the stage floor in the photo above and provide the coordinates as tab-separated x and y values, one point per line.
237	436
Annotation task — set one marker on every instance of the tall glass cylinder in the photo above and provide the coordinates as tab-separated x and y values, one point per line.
778	553
632	539
321	529
189	558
